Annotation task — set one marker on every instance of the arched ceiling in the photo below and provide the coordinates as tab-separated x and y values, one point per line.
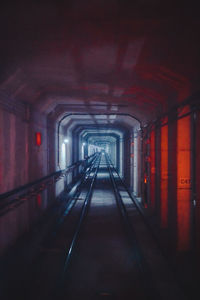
139	57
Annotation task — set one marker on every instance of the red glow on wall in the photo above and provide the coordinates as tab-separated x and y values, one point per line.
152	168
183	183
164	177
147	142
38	138
164	120
147	158
183	110
39	200
1	171
197	183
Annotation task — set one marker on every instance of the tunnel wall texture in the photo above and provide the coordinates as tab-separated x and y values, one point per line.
22	160
25	158
197	181
136	143
171	176
169	149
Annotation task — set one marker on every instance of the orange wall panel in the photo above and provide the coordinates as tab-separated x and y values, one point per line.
164	177
183	183
197	183
152	168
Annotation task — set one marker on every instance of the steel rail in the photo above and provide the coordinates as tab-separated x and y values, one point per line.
72	198
147	224
124	214
57	222
150	229
140	260
83	213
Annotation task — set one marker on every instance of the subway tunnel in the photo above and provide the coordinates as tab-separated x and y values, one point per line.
99	150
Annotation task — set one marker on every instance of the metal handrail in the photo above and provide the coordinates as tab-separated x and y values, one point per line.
11	199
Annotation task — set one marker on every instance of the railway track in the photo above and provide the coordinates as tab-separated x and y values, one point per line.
94	250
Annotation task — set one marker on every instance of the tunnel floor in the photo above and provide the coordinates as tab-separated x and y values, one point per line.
103	264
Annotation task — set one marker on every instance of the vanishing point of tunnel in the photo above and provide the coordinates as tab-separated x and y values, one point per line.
100	150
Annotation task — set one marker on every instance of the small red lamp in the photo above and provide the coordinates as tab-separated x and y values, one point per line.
38	138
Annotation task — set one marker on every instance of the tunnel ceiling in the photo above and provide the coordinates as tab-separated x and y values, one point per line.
88	130
103	134
107	139
99	121
140	57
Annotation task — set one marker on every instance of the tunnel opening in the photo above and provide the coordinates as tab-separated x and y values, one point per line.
119	135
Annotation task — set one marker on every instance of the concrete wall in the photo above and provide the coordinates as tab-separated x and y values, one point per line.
137	155
37	154
65	155
172	197
196	195
21	160
14	156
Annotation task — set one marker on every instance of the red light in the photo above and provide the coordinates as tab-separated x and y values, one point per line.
38	138
39	200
